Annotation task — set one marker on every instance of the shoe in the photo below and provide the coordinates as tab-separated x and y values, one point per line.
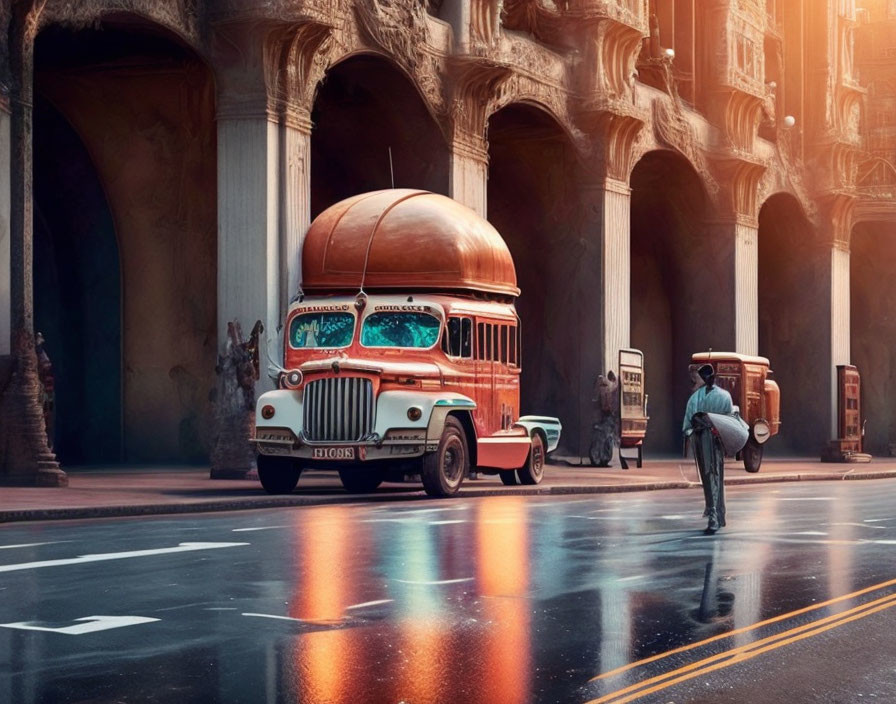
709	530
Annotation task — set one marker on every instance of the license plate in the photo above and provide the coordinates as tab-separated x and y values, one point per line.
333	453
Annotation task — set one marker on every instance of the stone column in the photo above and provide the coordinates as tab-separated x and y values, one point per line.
295	201
837	211
25	458
746	287
737	244
5	272
266	74
475	85
840	332
607	213
726	272
468	182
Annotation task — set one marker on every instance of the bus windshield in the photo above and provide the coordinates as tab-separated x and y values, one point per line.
400	329
315	330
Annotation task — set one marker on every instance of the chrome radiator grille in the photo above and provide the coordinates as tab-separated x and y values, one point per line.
338	410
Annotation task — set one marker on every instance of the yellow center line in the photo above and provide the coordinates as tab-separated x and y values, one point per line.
745	652
740	657
729	634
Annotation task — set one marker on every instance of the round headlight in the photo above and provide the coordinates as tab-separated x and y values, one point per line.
267	412
761	431
293	379
415	413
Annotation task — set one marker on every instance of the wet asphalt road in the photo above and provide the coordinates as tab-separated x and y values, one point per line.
499	599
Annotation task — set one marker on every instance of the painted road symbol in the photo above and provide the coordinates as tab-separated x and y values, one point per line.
91	624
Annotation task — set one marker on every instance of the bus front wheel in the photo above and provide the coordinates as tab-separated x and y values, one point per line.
278	475
444	470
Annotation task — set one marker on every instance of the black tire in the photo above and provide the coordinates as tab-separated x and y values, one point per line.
752	454
533	471
444	470
509	478
360	481
278	475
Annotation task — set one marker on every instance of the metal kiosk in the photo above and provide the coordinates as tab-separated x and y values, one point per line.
632	405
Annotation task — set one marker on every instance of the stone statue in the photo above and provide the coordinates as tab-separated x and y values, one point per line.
232	456
605	435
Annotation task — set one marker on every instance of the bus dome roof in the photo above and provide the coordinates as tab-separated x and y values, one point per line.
417	240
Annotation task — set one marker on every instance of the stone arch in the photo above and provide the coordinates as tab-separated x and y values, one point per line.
533	201
873	328
681	290
365	104
794	320
550	103
142	104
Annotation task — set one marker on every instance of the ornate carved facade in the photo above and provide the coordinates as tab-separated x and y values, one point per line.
613	142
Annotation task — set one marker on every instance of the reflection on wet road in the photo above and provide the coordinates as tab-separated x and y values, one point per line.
615	598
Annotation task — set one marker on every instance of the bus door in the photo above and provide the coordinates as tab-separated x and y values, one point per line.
489	416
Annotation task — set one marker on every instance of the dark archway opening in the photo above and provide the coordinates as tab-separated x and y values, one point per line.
794	318
533	202
365	107
873	329
126	228
678	288
77	293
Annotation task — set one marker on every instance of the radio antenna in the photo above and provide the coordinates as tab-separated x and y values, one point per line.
391	172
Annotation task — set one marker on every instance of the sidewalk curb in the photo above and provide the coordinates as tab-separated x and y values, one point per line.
299	501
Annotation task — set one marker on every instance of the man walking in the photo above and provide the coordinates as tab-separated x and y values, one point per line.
707	444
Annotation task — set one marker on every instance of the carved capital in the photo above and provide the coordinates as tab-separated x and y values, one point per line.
475	84
614	128
738	114
737	197
270	70
610	49
836	212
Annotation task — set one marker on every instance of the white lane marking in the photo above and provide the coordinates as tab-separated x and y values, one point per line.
247	530
369	603
810	532
673	518
183	547
435	583
279	618
220	608
878	520
859	525
32	545
808	498
93	624
434	510
631	579
445	523
883	542
391	520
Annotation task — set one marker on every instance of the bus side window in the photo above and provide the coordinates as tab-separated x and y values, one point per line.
488	342
466	337
512	345
480	338
504	332
453	336
495	356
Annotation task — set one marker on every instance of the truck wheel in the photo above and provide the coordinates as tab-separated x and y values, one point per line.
508	477
752	454
445	469
533	471
278	475
360	481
